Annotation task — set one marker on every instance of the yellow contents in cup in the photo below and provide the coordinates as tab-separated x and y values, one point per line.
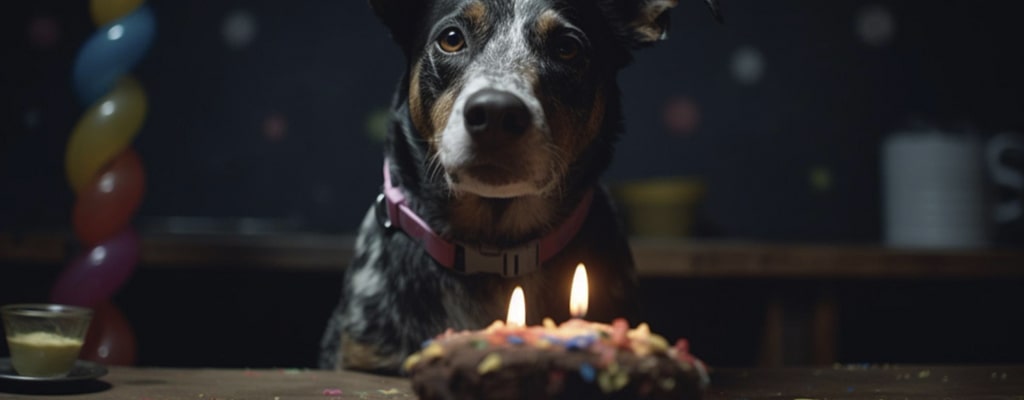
43	354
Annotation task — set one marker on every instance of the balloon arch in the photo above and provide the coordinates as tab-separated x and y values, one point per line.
106	174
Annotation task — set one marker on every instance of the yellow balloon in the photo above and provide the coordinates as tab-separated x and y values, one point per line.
104	131
104	11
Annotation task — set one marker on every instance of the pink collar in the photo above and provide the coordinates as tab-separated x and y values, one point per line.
472	259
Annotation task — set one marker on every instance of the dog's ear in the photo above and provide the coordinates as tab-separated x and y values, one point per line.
400	16
647	21
716	10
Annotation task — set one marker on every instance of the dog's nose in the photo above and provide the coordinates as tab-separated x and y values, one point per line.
491	112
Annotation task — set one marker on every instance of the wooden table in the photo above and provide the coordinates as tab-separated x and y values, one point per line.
838	382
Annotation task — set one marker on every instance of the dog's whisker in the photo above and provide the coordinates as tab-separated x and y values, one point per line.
435	172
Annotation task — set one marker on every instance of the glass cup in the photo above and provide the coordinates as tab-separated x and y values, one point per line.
45	339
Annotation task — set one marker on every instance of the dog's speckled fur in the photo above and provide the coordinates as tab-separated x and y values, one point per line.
558	59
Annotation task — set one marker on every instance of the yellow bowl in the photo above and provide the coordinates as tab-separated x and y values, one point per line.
660	206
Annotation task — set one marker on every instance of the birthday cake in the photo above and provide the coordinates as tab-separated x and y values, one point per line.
575	360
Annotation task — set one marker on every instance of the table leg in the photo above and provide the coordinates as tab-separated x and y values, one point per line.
825	326
772	338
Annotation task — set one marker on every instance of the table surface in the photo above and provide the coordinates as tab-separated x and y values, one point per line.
838	382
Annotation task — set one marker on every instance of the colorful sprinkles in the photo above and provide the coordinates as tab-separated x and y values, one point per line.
587	372
490	363
572	335
606	341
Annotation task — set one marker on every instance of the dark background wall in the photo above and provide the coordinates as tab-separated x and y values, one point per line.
271	109
278	123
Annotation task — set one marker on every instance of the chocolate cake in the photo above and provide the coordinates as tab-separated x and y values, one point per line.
574	360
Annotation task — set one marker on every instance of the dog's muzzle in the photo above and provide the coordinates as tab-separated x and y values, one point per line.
395	215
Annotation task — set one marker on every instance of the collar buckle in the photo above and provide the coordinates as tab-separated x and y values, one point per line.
508	263
381	210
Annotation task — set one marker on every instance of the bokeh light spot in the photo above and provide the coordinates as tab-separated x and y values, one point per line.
275	127
43	32
747	65
377	124
820	178
875	25
32	118
681	115
239	29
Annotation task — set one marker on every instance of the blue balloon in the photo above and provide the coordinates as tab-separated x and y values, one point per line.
111	52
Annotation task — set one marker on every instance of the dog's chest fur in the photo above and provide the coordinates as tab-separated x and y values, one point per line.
396	296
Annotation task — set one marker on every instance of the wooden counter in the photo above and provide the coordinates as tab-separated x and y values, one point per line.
839	382
813	269
654	257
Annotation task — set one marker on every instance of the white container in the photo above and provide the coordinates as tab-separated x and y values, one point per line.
935	191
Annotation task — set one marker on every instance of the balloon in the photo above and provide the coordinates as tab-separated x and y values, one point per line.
110	339
104	11
96	274
107	204
111	52
106	129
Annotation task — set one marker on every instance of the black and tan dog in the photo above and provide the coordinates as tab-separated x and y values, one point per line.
503	123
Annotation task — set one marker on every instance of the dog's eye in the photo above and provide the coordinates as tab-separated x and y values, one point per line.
451	40
567	47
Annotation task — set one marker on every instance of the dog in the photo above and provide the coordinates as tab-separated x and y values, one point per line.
503	122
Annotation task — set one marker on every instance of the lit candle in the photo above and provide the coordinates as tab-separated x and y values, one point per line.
578	297
516	309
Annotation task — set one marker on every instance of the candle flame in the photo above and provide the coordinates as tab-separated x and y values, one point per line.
579	297
517	309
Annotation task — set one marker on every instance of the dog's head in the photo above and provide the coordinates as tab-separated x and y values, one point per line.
511	96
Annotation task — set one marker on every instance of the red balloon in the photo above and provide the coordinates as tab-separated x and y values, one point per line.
110	340
107	204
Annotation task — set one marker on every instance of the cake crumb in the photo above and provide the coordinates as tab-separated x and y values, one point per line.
389	392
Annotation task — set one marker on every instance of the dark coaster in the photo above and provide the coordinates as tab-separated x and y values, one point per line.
81	379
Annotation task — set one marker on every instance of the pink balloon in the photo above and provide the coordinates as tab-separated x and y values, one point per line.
96	274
